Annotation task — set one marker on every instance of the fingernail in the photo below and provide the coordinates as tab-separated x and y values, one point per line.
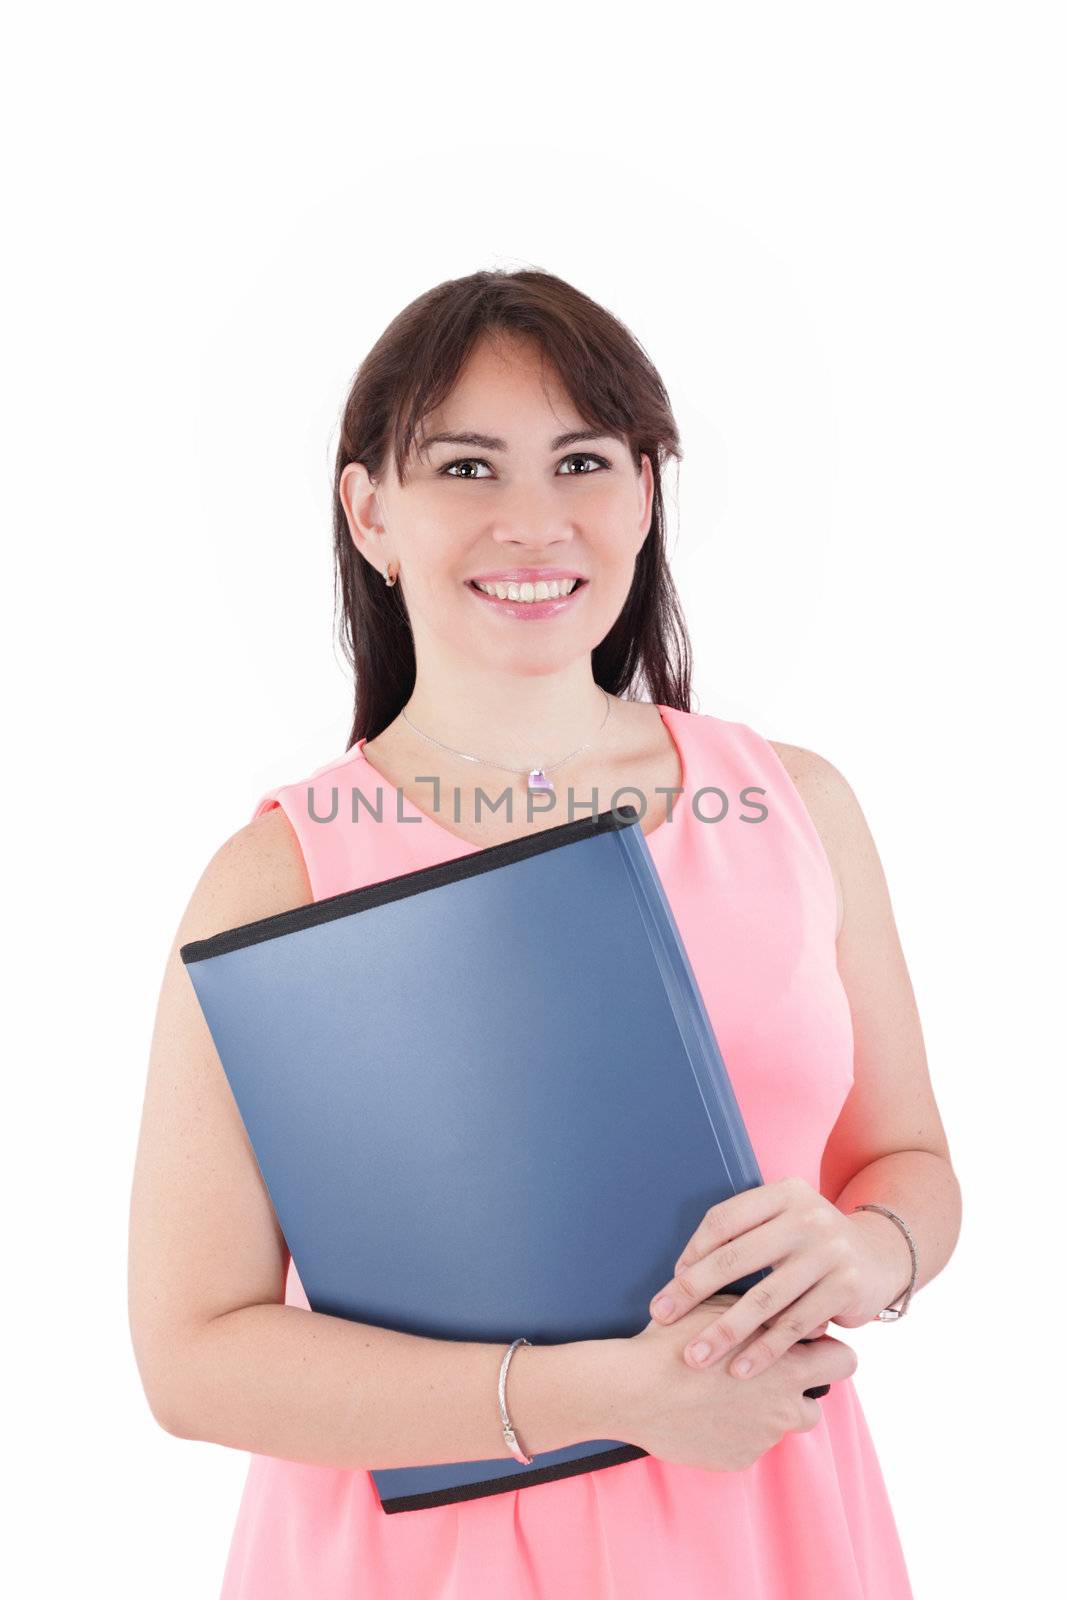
663	1306
742	1366
700	1352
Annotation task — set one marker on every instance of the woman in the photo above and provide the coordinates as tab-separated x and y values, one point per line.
507	432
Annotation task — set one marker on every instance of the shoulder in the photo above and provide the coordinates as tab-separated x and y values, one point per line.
834	810
825	791
831	805
257	871
820	783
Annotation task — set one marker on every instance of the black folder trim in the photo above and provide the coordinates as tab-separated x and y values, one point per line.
350	901
515	1480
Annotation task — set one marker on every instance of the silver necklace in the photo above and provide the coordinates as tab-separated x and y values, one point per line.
536	777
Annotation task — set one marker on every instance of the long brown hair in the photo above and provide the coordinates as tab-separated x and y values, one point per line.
612	384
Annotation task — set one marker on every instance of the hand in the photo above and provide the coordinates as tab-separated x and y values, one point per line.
826	1266
700	1417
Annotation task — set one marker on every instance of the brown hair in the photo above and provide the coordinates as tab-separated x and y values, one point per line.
612	384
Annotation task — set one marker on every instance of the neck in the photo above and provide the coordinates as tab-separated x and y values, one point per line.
516	721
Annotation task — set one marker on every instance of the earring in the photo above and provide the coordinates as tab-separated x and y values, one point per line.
389	575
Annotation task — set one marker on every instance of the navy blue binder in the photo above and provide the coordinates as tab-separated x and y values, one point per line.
486	1100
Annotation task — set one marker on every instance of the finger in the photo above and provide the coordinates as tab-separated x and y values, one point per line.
786	1293
828	1361
736	1215
779	1334
735	1260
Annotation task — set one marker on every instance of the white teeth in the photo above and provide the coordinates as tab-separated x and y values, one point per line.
528	591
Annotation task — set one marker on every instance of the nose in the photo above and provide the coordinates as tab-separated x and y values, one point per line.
533	518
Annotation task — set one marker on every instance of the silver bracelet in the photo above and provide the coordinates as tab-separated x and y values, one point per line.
892	1312
509	1432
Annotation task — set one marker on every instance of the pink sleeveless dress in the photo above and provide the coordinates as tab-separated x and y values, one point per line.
810	1519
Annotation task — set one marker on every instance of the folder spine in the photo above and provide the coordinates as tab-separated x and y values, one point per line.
687	1001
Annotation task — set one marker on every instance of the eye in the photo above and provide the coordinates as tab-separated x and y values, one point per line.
584	455
446	471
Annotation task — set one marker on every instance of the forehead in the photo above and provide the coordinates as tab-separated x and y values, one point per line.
502	378
508	397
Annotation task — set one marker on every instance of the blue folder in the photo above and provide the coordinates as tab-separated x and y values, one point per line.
486	1100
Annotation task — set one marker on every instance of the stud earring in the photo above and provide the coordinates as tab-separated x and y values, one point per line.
389	575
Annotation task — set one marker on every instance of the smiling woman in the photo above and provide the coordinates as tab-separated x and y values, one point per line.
506	427
499	539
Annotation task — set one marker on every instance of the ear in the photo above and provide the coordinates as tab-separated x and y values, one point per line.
647	491
361	501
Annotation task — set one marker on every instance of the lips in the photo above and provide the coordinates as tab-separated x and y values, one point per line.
526	587
529	610
526	575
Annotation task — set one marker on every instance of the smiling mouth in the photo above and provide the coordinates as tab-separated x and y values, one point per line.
529	593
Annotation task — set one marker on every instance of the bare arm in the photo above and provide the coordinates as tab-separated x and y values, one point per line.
888	1144
287	1382
221	1357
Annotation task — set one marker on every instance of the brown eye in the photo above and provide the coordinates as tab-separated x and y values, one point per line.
584	455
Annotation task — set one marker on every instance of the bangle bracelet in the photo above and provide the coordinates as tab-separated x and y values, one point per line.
509	1432
892	1312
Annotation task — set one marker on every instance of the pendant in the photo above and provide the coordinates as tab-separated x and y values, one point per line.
539	780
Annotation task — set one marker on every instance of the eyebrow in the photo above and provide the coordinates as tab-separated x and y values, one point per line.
486	441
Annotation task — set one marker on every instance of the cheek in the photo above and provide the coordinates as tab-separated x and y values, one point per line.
613	565
440	551
612	529
439	524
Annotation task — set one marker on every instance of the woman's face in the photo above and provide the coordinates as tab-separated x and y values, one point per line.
511	500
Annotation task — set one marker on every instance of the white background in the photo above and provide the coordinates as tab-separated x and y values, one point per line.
838	231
